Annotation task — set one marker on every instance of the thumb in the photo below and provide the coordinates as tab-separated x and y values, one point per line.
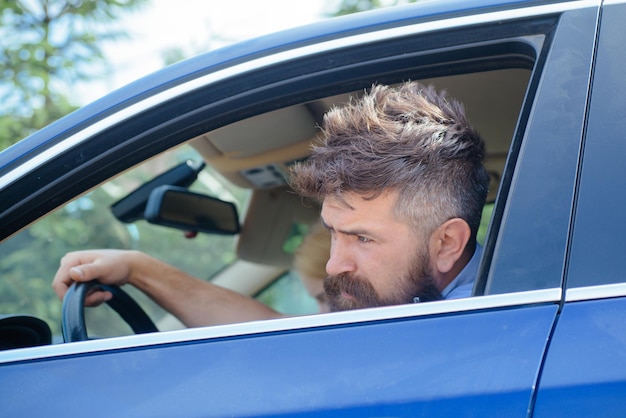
77	274
84	272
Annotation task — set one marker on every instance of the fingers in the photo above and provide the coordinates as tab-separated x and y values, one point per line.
84	272
98	297
62	279
81	266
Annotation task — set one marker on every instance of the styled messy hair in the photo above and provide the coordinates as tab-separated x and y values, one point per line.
410	139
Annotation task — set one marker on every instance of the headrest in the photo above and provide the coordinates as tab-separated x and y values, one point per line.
271	218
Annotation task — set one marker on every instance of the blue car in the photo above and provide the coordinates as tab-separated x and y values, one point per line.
544	333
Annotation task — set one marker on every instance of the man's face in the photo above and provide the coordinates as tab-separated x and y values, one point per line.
375	260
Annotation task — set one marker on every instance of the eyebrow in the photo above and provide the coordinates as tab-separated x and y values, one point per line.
355	232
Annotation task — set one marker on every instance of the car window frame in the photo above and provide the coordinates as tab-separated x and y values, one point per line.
540	188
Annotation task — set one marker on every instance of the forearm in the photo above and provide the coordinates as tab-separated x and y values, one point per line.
193	301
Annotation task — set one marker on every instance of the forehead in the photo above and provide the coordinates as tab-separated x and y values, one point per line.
356	210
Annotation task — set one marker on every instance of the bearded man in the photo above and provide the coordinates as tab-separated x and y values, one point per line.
400	177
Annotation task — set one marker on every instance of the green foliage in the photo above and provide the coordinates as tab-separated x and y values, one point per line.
173	55
347	7
30	258
45	47
484	223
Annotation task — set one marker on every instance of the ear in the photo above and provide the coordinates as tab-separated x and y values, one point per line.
448	244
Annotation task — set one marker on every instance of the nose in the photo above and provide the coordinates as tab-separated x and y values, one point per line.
340	260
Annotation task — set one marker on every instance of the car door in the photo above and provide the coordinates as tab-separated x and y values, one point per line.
480	356
585	370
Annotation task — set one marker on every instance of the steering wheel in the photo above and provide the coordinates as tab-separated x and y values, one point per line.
74	327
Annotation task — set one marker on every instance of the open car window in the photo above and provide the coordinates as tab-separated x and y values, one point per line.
87	222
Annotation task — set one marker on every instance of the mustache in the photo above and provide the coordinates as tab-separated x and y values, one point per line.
363	294
347	291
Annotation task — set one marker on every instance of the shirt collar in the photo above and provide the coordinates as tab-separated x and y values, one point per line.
465	277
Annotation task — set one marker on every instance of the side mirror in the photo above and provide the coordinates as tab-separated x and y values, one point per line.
179	208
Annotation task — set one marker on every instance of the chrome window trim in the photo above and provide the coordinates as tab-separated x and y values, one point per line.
595	292
436	25
286	324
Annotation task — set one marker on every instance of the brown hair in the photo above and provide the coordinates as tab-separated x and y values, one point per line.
411	139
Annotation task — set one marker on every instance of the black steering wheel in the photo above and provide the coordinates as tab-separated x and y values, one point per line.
74	327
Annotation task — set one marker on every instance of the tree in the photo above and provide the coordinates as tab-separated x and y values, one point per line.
45	47
346	7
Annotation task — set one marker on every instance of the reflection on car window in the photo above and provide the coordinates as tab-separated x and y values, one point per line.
31	257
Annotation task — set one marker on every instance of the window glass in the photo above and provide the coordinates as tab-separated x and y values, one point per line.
288	295
31	257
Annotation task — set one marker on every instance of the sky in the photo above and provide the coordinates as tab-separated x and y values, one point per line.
194	26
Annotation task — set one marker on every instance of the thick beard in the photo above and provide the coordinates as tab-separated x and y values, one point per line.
418	282
361	293
421	280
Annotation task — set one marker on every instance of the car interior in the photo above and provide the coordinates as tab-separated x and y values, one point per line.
254	155
243	169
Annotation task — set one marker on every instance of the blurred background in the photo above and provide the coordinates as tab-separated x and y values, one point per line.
56	55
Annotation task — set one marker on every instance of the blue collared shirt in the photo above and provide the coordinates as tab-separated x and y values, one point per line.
463	284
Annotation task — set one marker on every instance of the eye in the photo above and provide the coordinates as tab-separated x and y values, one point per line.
363	239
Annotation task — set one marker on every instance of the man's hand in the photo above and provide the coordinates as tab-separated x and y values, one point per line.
111	267
195	302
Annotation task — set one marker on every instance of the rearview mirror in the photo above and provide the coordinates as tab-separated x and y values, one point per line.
179	208
132	207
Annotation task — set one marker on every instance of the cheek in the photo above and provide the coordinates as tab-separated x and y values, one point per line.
382	268
375	265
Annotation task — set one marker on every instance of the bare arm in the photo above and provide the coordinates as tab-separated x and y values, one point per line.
193	301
